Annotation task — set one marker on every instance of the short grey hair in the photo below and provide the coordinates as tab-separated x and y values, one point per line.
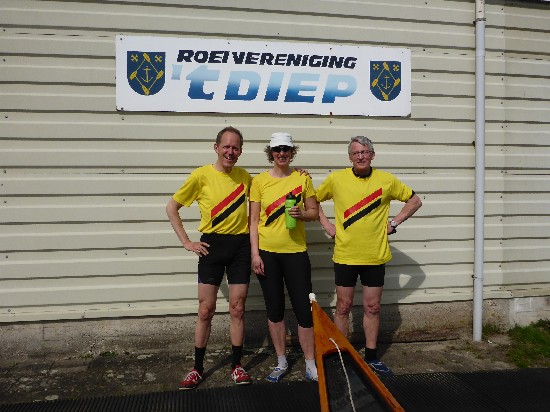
363	140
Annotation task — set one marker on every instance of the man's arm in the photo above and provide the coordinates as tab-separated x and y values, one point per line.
327	225
409	209
172	210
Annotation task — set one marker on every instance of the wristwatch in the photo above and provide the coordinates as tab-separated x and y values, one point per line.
394	225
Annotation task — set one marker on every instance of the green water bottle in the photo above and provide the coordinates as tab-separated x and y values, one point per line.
290	202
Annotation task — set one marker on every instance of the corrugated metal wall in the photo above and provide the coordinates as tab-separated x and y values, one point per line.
83	188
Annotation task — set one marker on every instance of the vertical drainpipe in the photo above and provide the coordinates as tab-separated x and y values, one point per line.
479	236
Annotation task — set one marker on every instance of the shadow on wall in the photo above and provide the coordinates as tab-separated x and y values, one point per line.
403	277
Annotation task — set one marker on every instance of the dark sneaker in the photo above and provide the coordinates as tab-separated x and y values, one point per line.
191	381
239	376
379	367
277	374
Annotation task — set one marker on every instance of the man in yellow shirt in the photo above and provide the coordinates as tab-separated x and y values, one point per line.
221	190
362	196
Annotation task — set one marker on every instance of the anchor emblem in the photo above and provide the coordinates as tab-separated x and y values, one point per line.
385	79
146	75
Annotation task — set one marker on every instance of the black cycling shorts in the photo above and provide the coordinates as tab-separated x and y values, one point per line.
227	254
371	275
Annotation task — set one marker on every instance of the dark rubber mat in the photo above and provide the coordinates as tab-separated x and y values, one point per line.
505	390
280	397
510	390
365	397
436	392
518	390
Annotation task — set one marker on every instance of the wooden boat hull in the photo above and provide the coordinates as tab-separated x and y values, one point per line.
342	370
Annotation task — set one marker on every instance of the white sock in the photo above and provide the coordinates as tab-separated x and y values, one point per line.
281	362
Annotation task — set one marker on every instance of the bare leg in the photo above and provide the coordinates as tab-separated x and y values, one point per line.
344	303
307	342
371	314
207	308
237	300
277	330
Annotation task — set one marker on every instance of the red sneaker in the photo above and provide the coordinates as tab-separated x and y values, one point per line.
191	381
239	376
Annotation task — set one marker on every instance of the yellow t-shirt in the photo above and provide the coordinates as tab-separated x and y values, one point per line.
361	209
271	193
221	198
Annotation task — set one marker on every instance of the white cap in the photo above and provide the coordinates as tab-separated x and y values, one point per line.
281	139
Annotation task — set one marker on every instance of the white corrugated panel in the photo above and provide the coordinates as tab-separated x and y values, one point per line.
83	232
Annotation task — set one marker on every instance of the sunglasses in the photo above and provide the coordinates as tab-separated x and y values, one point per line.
278	149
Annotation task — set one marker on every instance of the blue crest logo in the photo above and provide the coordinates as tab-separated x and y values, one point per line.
146	72
385	79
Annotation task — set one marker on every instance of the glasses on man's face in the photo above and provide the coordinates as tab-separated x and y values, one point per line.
361	153
278	149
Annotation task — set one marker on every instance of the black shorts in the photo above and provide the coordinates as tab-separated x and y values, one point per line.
371	275
294	271
227	254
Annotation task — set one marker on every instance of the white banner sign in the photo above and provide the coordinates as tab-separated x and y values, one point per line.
230	76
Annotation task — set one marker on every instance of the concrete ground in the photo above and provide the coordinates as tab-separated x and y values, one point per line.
28	379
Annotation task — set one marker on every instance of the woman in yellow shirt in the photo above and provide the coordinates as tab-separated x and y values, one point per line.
279	255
